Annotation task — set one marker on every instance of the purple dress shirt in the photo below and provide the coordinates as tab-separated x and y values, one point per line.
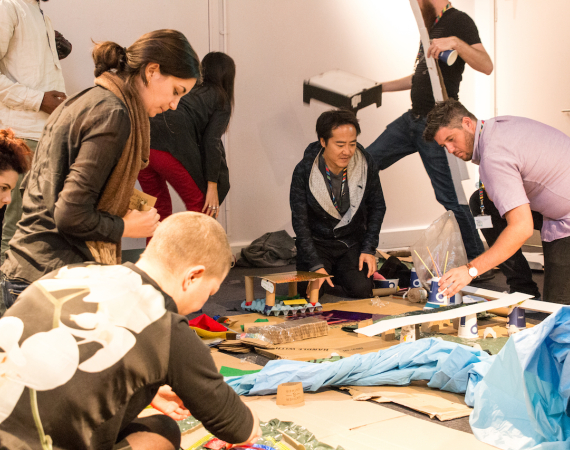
525	161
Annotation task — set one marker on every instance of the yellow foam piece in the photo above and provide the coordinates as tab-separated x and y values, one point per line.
209	334
297	301
201	442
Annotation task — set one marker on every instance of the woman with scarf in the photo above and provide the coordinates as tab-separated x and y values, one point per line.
76	200
186	144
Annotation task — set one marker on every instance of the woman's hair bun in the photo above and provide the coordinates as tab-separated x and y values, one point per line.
109	56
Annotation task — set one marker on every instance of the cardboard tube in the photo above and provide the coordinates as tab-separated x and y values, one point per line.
248	290
289	394
292	289
314	297
269	298
383	292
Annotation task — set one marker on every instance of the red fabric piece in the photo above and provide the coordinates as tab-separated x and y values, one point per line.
163	167
216	444
205	322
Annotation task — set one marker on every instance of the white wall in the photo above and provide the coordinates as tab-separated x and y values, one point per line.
534	61
277	45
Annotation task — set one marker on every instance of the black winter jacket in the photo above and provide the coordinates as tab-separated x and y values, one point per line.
315	219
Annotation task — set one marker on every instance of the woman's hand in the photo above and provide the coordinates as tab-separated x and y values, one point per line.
140	224
212	204
168	403
320	280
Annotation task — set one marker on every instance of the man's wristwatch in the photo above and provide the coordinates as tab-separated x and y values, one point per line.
473	272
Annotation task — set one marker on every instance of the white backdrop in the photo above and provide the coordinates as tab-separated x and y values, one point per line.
277	45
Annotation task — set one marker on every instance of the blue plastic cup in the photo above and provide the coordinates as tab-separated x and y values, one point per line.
382	284
448	57
468	327
517	318
414	280
457	299
435	297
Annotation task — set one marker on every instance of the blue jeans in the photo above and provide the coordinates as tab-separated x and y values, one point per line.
11	290
403	137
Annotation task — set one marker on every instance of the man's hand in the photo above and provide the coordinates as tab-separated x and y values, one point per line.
52	100
140	224
454	280
168	403
320	280
440	45
370	262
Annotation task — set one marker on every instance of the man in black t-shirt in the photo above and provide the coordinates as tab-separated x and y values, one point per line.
448	29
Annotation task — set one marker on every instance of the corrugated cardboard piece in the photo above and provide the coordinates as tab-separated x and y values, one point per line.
418	396
337	341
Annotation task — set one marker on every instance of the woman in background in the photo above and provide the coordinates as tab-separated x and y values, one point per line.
15	159
186	144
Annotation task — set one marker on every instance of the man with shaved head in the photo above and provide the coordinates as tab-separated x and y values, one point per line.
111	340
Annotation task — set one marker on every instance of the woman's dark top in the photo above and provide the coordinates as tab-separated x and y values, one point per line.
80	146
193	135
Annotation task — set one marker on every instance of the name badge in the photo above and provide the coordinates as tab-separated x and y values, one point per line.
482	222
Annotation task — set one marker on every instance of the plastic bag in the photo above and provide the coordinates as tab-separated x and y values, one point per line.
443	239
522	402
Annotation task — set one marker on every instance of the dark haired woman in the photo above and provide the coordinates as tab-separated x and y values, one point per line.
75	205
186	144
15	158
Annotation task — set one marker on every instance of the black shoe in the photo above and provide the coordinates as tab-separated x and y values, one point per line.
485	276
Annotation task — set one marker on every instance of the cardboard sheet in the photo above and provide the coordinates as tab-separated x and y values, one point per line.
336	419
418	396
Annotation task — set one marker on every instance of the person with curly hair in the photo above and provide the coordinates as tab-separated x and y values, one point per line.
15	159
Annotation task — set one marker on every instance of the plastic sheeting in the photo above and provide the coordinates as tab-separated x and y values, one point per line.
446	365
522	401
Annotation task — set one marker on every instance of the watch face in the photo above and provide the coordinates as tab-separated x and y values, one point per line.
473	272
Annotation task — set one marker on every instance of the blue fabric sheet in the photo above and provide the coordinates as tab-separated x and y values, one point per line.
522	401
448	366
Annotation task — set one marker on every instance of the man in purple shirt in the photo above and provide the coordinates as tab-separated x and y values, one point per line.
525	166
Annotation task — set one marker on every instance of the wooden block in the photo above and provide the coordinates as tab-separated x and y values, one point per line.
362	324
389	335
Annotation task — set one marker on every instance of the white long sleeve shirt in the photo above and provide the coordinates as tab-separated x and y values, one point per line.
29	66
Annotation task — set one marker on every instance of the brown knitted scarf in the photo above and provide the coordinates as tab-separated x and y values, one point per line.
119	188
